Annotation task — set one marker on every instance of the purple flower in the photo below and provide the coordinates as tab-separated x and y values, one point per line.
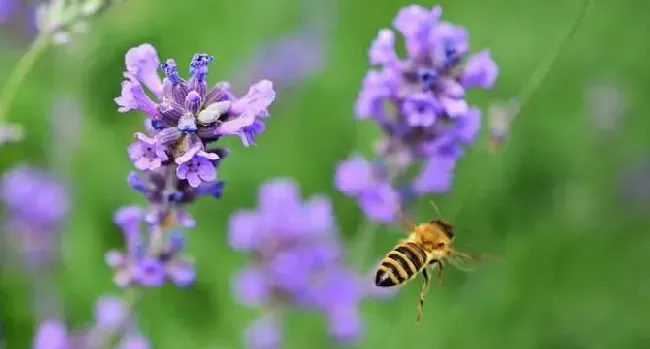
19	188
297	254
110	312
146	153
150	260
480	71
198	169
177	158
264	333
419	103
7	9
288	61
112	322
51	334
35	206
357	178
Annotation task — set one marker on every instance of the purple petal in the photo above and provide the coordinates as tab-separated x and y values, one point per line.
382	50
320	216
134	98
181	272
236	126
454	107
468	125
189	154
258	98
436	176
345	325
377	86
110	312
182	171
206	171
279	194
353	175
410	20
193	179
51	334
250	287
480	71
142	62
264	333
244	231
134	341
380	203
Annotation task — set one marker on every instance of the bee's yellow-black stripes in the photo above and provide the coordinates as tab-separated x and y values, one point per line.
400	265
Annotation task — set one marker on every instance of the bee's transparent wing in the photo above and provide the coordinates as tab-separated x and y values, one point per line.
462	261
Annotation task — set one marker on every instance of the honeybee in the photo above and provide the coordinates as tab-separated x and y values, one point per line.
428	245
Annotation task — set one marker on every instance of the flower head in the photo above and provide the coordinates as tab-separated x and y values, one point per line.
419	103
297	256
186	116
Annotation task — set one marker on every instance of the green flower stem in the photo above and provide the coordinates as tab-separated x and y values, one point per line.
24	66
540	73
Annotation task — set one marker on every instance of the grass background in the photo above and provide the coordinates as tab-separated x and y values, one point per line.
574	268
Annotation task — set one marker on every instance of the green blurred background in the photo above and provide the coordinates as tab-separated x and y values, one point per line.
573	272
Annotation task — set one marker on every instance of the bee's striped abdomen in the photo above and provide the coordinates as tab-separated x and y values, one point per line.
400	265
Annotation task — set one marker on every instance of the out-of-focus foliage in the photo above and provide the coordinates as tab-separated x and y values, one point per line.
573	267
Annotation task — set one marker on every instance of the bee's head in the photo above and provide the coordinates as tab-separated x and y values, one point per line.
446	228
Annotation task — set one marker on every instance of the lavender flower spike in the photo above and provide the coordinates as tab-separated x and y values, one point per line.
188	117
35	203
298	261
112	322
428	122
178	158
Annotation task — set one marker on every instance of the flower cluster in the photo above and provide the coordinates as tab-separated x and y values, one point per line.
177	157
419	103
297	261
112	322
35	204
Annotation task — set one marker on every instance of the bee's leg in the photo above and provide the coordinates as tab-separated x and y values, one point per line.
440	267
423	294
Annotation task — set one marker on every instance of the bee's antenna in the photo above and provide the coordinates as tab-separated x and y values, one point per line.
435	207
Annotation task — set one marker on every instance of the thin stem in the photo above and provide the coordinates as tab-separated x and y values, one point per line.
544	67
21	70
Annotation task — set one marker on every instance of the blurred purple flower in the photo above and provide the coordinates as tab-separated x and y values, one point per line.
297	260
111	320
287	61
419	103
7	9
357	177
36	204
51	334
264	333
177	158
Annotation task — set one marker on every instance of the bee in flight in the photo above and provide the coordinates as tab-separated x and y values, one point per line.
428	245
